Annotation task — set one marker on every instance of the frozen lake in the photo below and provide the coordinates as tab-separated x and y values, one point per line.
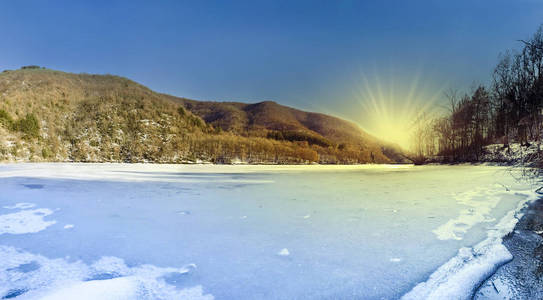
252	232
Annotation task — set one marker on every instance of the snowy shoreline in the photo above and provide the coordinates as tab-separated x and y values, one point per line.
522	277
463	275
485	259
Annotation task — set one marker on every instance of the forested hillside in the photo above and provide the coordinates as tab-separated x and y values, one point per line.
331	136
48	115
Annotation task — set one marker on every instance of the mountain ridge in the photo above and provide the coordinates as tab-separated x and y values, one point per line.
86	117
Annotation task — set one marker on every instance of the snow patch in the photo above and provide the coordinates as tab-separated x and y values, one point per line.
25	221
480	203
514	152
283	252
22	205
116	288
107	278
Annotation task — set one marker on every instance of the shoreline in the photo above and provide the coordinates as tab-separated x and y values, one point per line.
462	275
522	277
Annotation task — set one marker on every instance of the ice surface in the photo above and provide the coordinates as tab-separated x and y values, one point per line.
364	232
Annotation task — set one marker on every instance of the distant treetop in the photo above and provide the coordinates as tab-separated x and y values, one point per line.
31	67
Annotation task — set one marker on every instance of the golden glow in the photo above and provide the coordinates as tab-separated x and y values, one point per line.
390	111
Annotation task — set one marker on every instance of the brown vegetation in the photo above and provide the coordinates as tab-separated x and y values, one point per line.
48	115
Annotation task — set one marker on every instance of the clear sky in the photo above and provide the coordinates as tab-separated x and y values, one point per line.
360	60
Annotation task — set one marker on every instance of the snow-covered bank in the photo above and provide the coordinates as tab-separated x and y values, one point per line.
521	278
460	276
513	154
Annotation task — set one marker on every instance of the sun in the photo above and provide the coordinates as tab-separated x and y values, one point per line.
390	110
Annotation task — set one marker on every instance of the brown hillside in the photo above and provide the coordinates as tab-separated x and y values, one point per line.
261	118
49	115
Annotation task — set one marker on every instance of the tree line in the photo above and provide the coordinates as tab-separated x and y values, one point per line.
508	110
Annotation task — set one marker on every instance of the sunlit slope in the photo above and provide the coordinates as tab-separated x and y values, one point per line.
268	115
48	115
272	120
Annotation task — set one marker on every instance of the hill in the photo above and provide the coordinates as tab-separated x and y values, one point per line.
279	122
48	115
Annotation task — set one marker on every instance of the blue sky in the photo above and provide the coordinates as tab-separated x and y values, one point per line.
325	56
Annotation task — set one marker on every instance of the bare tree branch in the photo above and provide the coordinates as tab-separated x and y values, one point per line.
531	44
